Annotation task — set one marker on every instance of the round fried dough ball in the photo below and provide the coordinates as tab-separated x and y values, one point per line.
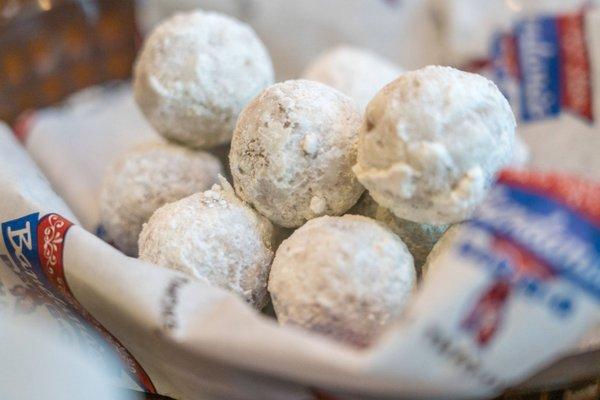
432	142
214	237
146	178
353	71
195	74
346	277
293	150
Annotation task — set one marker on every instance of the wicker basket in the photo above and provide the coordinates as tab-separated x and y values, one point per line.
52	48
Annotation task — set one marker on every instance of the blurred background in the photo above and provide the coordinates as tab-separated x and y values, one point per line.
51	48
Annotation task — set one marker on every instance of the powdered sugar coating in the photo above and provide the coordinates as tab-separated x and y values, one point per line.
195	74
443	245
353	71
215	237
521	153
431	143
145	179
346	277
293	150
418	238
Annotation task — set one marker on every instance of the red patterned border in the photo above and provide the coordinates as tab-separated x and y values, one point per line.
51	233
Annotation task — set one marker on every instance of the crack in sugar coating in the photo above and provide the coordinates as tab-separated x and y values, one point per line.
432	142
145	179
319	278
353	71
292	152
196	72
214	237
